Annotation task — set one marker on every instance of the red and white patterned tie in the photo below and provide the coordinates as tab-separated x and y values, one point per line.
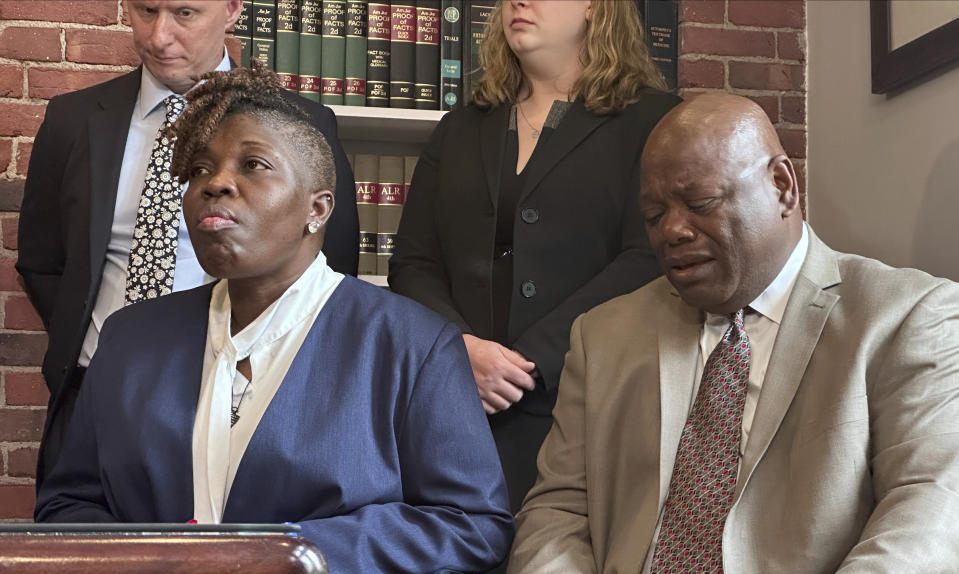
153	252
707	462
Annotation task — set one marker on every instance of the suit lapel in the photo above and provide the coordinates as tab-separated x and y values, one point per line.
678	342
803	320
575	127
107	130
492	134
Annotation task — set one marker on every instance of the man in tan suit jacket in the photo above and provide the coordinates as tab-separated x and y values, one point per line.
849	457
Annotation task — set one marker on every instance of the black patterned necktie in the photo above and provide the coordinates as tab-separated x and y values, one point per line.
153	252
707	462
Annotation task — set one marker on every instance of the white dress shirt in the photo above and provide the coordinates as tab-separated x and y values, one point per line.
761	326
148	115
271	341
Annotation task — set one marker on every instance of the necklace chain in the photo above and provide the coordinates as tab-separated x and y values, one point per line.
535	131
235	409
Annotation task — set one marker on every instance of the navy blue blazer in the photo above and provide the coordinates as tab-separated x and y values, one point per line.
375	443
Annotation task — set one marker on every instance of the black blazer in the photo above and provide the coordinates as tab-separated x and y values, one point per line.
578	240
69	199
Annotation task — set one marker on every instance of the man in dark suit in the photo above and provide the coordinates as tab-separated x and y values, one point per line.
84	186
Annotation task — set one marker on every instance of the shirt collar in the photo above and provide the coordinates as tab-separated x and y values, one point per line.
771	303
153	91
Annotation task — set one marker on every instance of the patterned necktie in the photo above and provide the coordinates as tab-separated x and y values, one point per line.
707	461
153	252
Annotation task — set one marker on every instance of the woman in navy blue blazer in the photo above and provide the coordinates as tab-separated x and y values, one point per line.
285	392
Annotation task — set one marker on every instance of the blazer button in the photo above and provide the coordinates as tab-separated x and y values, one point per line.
528	289
530	215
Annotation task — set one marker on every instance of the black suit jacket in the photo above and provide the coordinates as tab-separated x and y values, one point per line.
68	205
578	240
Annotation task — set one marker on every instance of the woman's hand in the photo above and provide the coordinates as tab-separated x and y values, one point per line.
502	374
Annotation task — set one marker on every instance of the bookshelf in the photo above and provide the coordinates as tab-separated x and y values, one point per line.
384	131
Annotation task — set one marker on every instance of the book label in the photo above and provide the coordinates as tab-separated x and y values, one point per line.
392	194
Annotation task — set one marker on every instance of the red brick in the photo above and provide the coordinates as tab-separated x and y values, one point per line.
41	44
6	154
26	390
101	47
701	74
20	119
703	11
233	48
9	230
758	76
96	12
24	149
48	82
22	350
11	191
794	109
770	105
21	425
17	500
11	81
771	13
792	45
794	142
22	462
20	315
9	278
722	42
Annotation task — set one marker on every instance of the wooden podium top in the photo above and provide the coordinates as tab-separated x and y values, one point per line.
167	553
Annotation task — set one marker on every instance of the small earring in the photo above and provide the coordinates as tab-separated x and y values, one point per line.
313	226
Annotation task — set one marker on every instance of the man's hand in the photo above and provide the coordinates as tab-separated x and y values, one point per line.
502	374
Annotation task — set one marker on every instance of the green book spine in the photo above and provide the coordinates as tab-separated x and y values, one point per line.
310	45
426	90
242	32
264	32
288	43
480	11
356	24
378	54
333	61
366	171
451	55
402	52
389	209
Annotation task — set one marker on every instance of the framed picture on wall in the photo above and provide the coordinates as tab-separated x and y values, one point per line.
911	39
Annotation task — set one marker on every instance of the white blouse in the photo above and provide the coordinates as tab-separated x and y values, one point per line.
271	342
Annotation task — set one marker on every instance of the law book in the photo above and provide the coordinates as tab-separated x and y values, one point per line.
378	25
333	59
288	43
264	32
402	52
480	11
389	208
426	76
451	54
242	32
366	169
311	17
661	22
355	88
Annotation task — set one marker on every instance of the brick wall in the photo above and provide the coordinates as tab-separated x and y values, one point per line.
753	48
47	47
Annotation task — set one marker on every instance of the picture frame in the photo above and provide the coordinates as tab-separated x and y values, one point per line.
894	69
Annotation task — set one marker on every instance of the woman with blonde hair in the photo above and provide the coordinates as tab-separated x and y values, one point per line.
523	211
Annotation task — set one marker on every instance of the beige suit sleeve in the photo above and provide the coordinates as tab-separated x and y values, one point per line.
914	433
552	533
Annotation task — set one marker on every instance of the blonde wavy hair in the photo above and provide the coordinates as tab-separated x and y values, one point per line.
616	61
